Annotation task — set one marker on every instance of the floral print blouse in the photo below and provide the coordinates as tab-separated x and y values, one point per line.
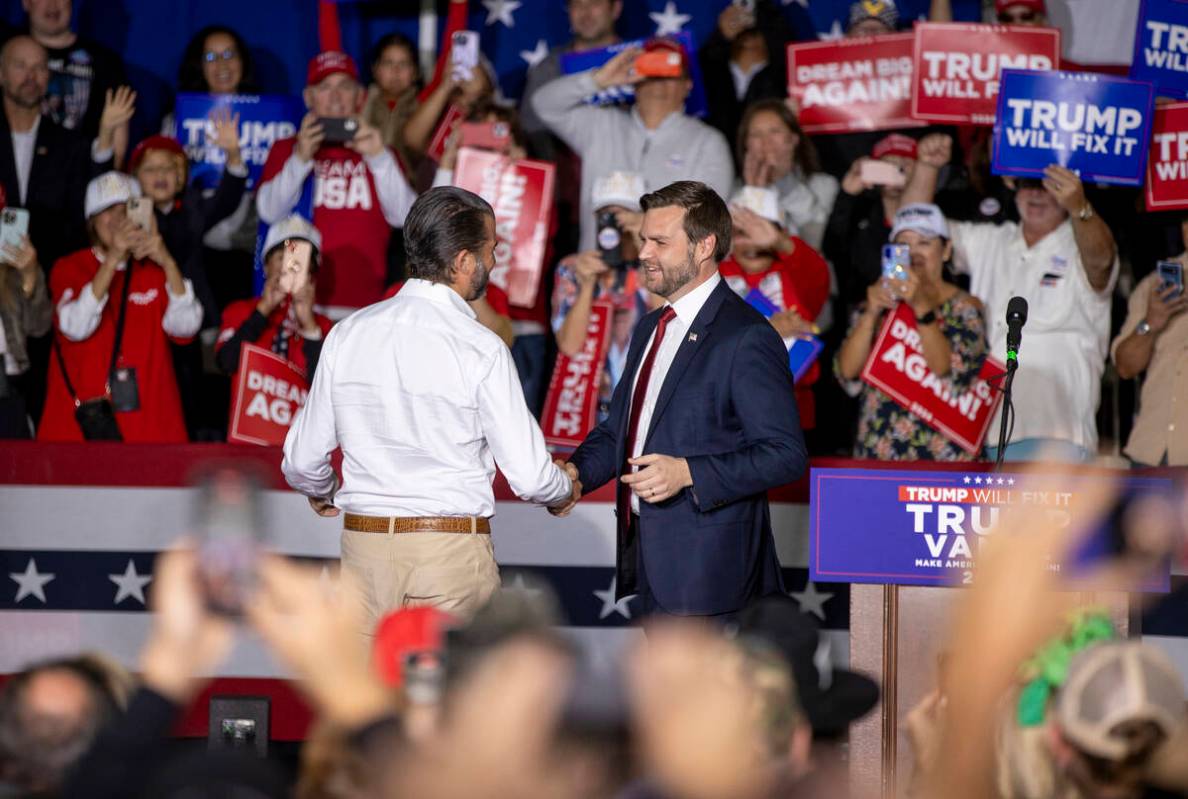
889	432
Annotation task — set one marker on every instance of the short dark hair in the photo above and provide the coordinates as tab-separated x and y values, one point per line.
443	222
396	40
705	212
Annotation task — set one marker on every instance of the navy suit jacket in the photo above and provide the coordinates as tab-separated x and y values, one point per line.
727	406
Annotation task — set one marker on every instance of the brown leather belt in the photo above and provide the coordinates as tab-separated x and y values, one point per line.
357	523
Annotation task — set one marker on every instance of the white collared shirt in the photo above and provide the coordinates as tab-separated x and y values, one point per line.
23	144
424	401
686	308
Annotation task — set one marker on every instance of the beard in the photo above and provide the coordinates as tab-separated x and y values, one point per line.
672	279
480	278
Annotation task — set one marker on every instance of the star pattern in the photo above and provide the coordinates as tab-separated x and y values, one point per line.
670	20
610	605
30	582
526	587
501	11
130	584
811	600
537	54
834	34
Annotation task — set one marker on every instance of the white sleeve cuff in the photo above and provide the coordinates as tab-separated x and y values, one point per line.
380	162
183	315
443	177
99	156
79	316
314	336
240	171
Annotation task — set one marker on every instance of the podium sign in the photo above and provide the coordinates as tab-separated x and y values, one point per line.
925	528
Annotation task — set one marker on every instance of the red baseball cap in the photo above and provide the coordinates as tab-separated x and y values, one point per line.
403	632
895	144
323	65
158	142
671	46
1035	5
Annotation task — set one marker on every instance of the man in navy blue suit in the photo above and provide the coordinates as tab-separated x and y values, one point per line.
702	423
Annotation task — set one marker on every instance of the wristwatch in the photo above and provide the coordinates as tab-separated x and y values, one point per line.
1086	213
1142	329
927	318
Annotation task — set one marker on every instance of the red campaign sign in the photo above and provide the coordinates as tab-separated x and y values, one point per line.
521	192
957	67
571	406
453	114
1167	160
853	84
897	368
268	392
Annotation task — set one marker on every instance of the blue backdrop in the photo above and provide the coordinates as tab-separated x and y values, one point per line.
282	34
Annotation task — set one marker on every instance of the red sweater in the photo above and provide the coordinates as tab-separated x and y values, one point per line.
800	281
239	311
145	347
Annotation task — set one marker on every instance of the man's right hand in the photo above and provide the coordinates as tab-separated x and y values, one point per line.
575	494
309	137
589	267
853	183
324	506
1163	305
619	71
935	150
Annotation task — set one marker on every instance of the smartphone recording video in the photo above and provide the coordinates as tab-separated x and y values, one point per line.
897	260
338	130
295	263
228	523
610	240
881	173
464	54
140	211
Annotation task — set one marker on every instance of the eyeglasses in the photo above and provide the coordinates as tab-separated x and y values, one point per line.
1023	16
210	57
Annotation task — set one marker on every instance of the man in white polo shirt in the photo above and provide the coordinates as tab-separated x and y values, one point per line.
1061	257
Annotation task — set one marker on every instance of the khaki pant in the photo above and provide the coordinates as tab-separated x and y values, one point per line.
455	572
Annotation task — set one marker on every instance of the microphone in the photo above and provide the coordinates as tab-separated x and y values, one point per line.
1016	317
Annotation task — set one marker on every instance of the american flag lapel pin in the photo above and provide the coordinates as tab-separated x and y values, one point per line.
693	337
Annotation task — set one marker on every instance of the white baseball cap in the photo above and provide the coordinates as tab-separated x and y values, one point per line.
293	226
618	188
110	188
923	218
763	201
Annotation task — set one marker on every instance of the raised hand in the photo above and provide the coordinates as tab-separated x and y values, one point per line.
368	141
619	71
226	126
118	107
1066	187
935	150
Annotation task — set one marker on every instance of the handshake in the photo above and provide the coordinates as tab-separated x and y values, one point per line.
566	505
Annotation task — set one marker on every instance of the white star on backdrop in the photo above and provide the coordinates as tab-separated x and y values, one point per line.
537	54
31	582
501	11
834	34
670	20
129	584
1010	481
609	605
811	600
523	586
967	480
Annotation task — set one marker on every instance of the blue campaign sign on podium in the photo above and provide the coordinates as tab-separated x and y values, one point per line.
888	527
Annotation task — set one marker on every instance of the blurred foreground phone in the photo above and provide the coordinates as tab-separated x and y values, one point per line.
140	211
1171	273
486	135
228	524
14	225
339	130
295	265
881	173
464	54
610	240
658	64
897	260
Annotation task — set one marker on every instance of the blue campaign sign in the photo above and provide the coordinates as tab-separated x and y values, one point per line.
263	119
572	63
1161	47
890	527
1096	125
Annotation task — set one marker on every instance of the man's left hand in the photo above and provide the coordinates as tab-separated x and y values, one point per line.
661	477
367	142
1066	187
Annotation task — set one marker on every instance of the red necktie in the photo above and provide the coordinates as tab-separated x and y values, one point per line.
637	400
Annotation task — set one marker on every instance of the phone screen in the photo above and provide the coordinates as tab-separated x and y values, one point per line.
1172	273
295	265
228	525
881	173
14	224
610	240
140	212
338	130
897	259
464	53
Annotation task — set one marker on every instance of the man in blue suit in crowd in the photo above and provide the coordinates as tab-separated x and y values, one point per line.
701	425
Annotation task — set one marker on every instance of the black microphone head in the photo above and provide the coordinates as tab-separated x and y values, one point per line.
1016	310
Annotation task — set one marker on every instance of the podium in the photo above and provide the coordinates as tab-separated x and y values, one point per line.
906	541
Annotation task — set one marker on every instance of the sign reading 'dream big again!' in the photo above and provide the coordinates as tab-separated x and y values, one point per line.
925	528
1095	125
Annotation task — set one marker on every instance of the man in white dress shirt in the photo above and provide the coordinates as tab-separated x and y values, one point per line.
424	401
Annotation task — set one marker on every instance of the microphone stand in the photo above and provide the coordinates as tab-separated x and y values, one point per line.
1006	421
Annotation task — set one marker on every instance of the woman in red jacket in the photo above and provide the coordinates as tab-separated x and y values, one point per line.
117	305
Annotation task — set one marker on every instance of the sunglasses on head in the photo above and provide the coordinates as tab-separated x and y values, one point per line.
211	56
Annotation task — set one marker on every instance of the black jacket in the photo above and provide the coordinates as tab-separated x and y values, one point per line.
62	167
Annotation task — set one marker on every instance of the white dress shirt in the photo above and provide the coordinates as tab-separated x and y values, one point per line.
22	156
424	401
686	308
